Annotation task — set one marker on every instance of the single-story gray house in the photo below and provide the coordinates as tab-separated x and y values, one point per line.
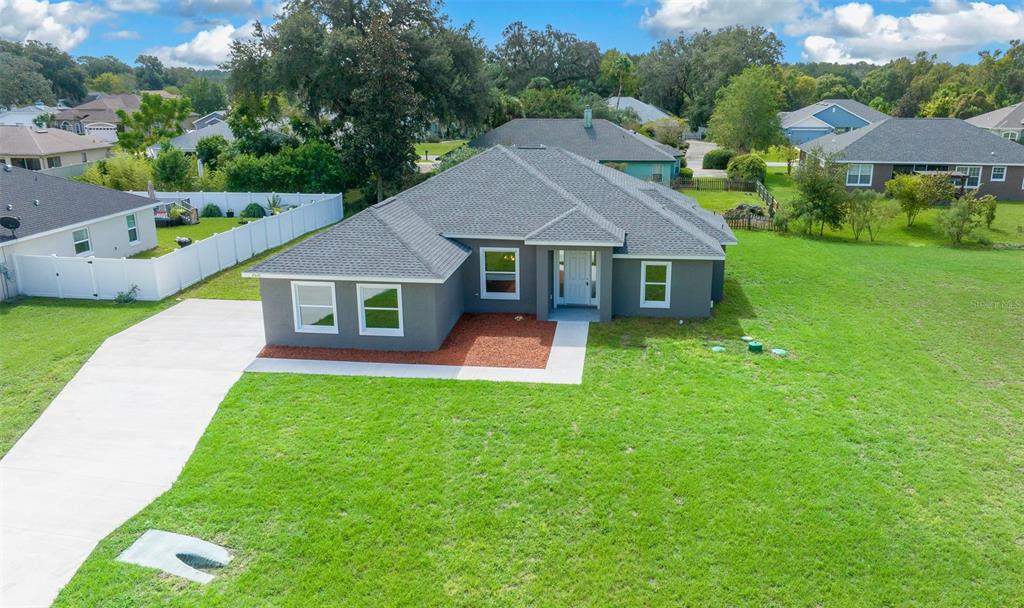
596	139
533	230
826	117
645	111
988	162
64	217
1005	122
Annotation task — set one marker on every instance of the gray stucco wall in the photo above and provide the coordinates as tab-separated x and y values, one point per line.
690	295
718	280
429	311
526	303
545	261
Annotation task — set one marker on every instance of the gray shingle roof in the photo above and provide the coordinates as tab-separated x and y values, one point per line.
1010	117
605	141
528	194
187	141
644	110
62	202
921	140
866	112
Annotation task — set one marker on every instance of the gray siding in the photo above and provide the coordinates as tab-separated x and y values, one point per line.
718	280
1011	190
526	303
429	311
690	296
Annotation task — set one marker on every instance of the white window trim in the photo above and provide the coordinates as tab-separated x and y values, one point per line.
379	331
88	239
958	168
643	284
484	294
130	228
992	173
314	329
871	175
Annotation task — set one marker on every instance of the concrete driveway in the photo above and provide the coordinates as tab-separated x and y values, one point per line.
695	158
115	438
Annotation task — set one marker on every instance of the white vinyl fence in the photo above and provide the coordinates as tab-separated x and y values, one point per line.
236	201
157	278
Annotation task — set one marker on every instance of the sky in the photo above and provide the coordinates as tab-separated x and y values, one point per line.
198	33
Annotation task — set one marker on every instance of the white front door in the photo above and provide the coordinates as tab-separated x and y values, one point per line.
577	277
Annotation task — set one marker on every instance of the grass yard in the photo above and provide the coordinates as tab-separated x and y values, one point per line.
438	148
878	465
44	341
207	227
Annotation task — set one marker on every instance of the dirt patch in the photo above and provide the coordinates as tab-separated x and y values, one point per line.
483	340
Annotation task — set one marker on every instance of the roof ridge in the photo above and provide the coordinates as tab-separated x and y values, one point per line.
377	214
650	203
591	214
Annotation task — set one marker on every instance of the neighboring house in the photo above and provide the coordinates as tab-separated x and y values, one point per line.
596	139
988	162
826	117
97	117
211	119
1005	122
187	142
65	217
35	148
529	230
25	116
644	110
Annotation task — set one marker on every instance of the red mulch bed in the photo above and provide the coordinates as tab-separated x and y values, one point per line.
484	340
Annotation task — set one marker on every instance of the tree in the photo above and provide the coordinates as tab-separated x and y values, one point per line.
561	57
108	64
832	86
386	107
668	131
122	172
964	216
157	119
66	78
210	148
455	157
821	194
618	74
746	114
108	82
21	83
149	72
206	96
869	211
550	103
915	193
172	169
311	167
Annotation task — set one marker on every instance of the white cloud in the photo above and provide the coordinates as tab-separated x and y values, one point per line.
199	7
64	24
122	35
853	31
133	6
674	16
206	49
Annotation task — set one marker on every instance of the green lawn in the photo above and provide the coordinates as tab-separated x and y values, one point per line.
438	148
44	341
207	227
877	465
772	155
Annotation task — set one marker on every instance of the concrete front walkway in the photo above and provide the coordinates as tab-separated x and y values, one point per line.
565	364
115	438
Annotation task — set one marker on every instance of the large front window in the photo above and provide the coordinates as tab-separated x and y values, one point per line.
315	311
973	174
499	273
858	175
83	246
380	310
655	284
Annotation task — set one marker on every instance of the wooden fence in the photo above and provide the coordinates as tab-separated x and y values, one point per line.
722	184
753	222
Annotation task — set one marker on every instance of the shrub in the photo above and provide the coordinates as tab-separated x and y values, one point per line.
456	156
668	131
988	211
254	210
121	172
963	216
127	297
718	158
869	211
686	173
916	193
211	210
748	167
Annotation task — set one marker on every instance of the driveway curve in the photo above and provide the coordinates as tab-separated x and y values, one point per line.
115	438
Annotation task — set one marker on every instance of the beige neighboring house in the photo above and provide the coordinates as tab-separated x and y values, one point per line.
1007	122
34	148
97	118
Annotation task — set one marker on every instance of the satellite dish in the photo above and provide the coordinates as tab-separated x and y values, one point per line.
11	223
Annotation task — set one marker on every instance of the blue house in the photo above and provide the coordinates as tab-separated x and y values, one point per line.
826	117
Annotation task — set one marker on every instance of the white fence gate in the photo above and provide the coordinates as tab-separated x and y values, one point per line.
157	278
236	201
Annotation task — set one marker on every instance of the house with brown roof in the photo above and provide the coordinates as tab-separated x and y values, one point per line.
35	148
97	118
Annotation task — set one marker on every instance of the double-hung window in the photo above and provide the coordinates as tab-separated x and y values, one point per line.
499	273
999	174
1011	135
80	237
314	307
655	284
133	228
858	174
973	173
656	174
380	310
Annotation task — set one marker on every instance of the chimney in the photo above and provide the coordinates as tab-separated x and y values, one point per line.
588	118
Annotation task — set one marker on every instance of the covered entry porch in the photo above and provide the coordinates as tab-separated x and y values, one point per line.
574	282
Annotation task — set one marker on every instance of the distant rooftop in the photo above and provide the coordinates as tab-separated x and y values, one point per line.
33	141
644	110
605	141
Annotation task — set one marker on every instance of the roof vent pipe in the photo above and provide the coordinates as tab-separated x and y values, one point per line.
588	118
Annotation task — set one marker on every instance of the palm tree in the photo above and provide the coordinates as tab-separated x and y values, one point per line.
621	67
